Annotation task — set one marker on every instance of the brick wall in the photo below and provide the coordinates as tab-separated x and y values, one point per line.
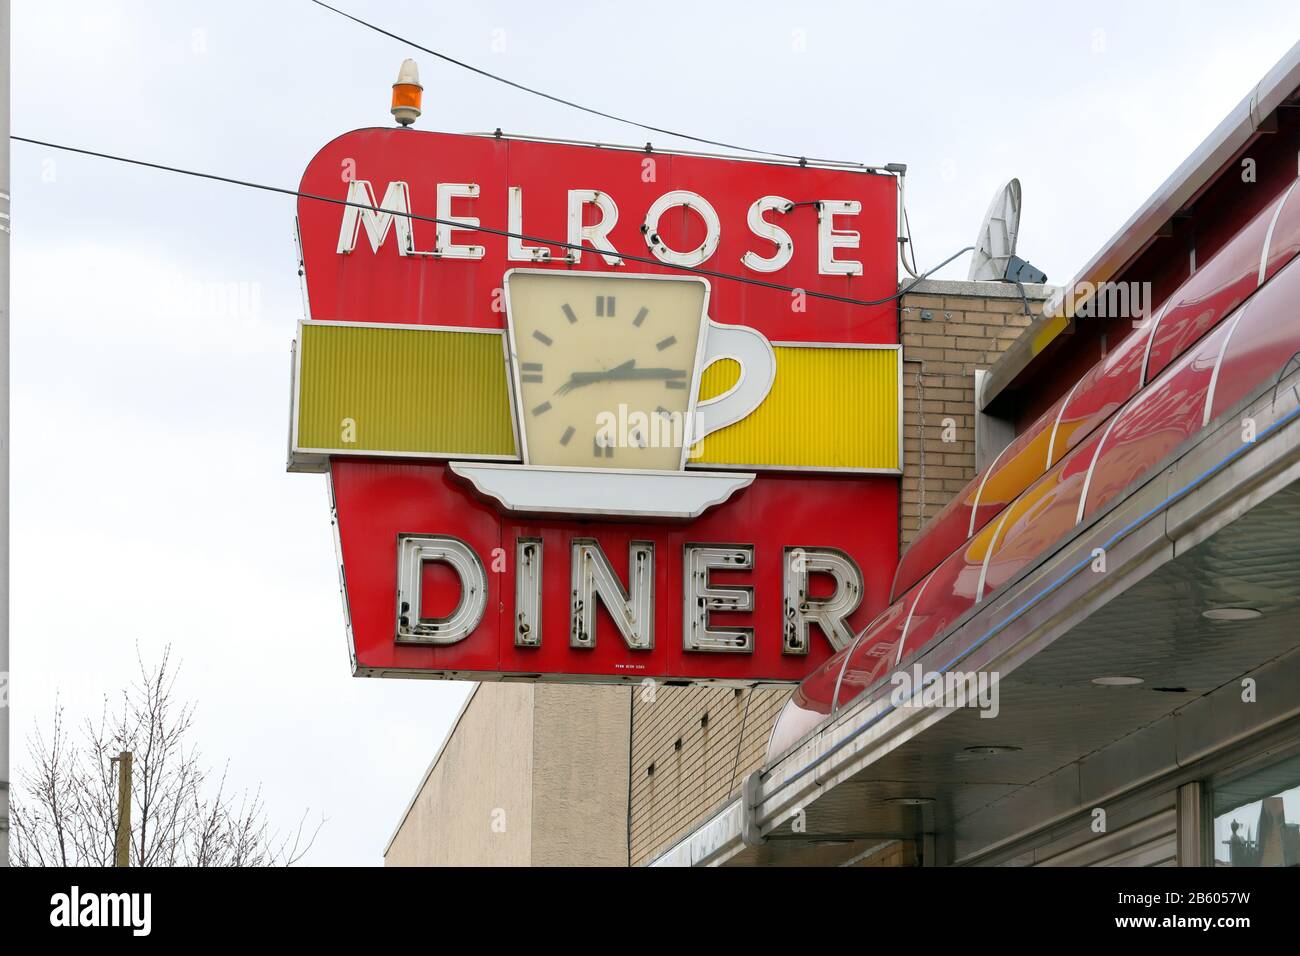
948	330
692	779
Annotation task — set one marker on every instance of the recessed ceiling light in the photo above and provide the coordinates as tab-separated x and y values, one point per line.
990	750
911	801
1230	614
1117	681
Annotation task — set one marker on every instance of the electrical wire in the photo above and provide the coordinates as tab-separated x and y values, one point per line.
911	243
740	741
488	230
577	106
905	230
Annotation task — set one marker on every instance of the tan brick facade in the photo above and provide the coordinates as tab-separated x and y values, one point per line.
691	750
945	338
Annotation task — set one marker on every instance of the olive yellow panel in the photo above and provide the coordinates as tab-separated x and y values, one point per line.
400	390
831	407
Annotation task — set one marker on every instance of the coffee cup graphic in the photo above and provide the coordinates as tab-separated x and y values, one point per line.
607	367
606	372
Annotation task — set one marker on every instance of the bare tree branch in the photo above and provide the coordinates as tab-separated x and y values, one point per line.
64	806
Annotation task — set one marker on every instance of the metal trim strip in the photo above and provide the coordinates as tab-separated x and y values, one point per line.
975	507
1051	443
1268	236
1223	350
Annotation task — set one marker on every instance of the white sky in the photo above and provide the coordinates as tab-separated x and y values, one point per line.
150	503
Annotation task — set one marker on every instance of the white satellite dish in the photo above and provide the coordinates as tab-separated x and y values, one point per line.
996	242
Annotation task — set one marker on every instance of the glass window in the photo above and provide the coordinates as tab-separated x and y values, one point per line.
1257	818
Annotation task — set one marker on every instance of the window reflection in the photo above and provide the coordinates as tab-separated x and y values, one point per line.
1257	818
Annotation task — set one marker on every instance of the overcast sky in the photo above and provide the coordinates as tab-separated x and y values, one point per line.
150	503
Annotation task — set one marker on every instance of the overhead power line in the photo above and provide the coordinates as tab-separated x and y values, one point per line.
577	106
488	230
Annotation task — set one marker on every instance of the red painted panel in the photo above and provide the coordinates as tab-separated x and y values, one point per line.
1217	287
1100	393
949	593
1016	468
1153	425
1284	244
1256	349
1203	300
378	501
875	651
1109	384
857	514
1013	471
384	287
944	533
1264	341
1042	516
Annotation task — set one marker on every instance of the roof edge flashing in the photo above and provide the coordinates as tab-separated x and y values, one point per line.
979	289
1188	181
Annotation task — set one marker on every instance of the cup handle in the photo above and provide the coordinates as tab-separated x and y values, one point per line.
757	360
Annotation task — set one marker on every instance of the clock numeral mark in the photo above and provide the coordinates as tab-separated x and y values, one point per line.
605	306
666	343
530	378
544	407
601	450
568	313
640	317
568	433
674	383
532	372
542	337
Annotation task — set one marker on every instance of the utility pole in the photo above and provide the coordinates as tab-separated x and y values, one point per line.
122	851
4	435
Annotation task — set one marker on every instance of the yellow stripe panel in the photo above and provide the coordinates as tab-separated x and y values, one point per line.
719	377
828	408
407	390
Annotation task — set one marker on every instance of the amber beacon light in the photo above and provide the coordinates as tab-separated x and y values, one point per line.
406	93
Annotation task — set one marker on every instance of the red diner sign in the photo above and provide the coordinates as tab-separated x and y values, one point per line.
565	439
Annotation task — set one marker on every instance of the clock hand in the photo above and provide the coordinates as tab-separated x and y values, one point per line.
622	374
626	372
578	379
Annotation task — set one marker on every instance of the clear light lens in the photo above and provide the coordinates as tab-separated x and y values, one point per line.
1230	614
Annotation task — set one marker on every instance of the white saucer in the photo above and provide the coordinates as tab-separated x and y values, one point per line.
545	489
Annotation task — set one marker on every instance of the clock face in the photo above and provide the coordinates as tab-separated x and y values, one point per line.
605	366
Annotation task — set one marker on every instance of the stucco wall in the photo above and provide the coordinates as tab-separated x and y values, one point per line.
580	761
474	807
530	775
